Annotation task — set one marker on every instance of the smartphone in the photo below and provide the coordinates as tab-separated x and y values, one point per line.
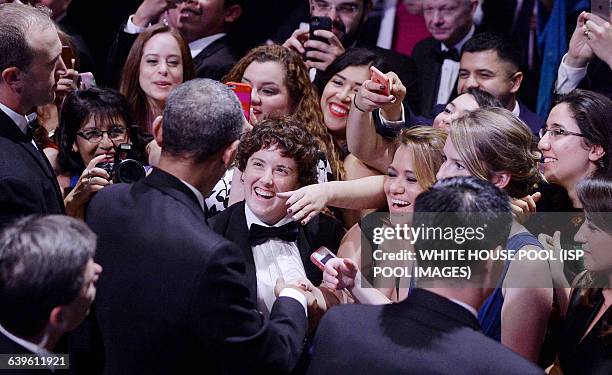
602	8
321	256
379	77
67	56
319	23
243	92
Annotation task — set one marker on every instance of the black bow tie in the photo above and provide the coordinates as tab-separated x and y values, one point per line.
259	234
450	54
32	126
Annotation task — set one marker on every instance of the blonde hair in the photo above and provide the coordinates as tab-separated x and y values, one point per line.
304	99
494	140
425	144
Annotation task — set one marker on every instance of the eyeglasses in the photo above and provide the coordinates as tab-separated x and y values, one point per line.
115	133
344	9
558	133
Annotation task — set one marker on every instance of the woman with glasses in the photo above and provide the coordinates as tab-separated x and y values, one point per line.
93	123
577	140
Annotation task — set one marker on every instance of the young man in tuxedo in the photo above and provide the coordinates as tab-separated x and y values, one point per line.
47	282
30	67
435	330
277	156
175	296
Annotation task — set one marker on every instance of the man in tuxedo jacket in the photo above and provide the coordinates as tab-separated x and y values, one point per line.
47	282
174	297
348	20
30	66
203	23
277	156
491	63
451	24
435	330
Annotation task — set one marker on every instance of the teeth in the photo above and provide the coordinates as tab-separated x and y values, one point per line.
549	160
264	193
338	109
400	202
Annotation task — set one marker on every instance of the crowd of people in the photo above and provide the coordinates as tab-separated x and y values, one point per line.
158	222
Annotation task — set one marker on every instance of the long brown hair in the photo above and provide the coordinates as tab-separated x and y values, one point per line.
130	84
304	98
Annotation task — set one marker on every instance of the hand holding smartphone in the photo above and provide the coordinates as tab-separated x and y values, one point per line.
321	256
380	78
243	92
318	23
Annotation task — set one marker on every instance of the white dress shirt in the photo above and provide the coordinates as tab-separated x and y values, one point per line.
197	193
34	348
273	259
465	306
19	119
568	78
450	70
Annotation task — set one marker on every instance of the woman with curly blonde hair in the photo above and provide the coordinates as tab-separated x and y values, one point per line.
281	86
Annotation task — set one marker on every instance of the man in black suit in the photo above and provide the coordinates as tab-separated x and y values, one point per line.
174	297
203	23
277	156
435	330
451	24
491	63
348	20
47	282
30	66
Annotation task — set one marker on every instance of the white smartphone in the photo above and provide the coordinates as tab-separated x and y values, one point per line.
602	8
321	256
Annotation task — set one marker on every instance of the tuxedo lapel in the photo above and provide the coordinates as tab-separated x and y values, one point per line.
305	244
210	50
431	74
238	232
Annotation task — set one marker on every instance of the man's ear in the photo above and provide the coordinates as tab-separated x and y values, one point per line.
158	130
501	179
232	13
13	77
516	79
230	153
596	153
58	319
473	7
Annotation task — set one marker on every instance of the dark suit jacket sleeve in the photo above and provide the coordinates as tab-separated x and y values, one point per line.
117	56
224	312
17	199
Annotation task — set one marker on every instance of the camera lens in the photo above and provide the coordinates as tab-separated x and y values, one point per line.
129	171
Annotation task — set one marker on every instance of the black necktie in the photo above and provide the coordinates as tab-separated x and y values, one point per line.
450	54
259	234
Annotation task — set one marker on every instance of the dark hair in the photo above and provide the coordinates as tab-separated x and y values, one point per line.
483	98
201	117
42	265
130	83
595	194
593	115
16	22
291	138
488	41
463	202
105	105
353	56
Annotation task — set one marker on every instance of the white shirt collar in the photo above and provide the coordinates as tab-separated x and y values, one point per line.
517	109
19	119
199	44
459	45
466	306
251	218
34	348
197	193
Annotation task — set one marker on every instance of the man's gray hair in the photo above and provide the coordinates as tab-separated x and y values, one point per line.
16	22
201	117
42	265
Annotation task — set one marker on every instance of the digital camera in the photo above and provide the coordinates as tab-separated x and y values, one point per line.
123	168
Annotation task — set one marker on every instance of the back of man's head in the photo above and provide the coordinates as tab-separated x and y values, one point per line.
16	22
42	266
452	206
201	118
488	41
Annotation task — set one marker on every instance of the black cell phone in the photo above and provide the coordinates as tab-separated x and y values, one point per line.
602	8
319	23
